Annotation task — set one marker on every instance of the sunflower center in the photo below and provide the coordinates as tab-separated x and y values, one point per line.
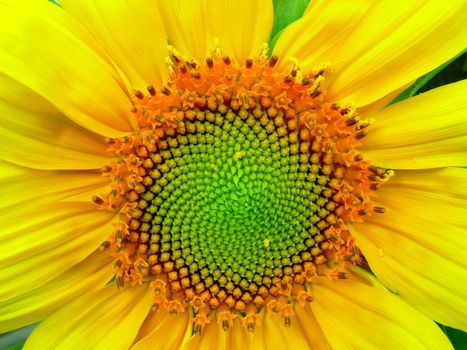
232	205
235	192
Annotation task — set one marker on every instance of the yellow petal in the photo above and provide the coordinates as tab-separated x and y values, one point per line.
418	247
425	131
426	192
34	134
375	47
375	107
315	39
167	333
356	316
41	47
46	223
131	32
422	36
16	183
107	319
239	338
151	322
38	243
310	328
17	94
36	304
273	334
240	26
214	337
185	25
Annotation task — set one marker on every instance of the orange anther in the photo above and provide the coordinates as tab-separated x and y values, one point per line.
175	307
199	322
197	302
274	306
226	319
304	298
251	320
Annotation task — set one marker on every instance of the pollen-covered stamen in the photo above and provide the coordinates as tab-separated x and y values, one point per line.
235	192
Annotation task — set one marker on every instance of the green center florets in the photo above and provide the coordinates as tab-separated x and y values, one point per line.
233	199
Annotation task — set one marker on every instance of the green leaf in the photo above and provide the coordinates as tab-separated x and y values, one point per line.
285	12
455	71
18	346
424	80
457	337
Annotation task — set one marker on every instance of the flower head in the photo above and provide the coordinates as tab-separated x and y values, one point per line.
210	192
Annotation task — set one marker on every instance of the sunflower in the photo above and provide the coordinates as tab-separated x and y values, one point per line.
168	181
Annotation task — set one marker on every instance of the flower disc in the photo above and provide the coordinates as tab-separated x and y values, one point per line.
235	191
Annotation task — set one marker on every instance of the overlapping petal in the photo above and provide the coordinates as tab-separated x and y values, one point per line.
357	316
27	188
375	47
272	334
425	131
35	134
310	328
106	319
38	243
35	304
46	216
163	331
327	26
418	247
241	27
131	32
215	337
45	49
